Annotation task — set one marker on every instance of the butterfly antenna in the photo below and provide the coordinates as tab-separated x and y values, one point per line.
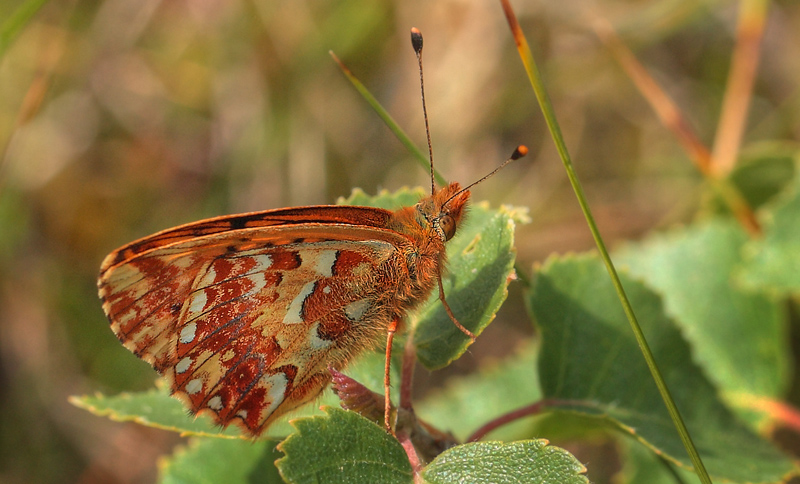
416	42
518	153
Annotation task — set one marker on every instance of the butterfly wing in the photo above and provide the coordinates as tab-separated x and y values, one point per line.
243	322
283	217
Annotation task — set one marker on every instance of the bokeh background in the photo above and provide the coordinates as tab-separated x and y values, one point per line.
120	118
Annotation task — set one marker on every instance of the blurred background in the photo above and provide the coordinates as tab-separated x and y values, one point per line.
120	118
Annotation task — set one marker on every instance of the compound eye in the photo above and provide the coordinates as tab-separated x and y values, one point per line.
448	226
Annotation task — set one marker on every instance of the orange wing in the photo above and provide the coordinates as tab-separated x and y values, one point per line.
320	214
244	314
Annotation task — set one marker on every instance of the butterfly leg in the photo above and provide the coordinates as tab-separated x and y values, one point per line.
450	311
387	402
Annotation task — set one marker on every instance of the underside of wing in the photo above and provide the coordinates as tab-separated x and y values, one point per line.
245	323
342	215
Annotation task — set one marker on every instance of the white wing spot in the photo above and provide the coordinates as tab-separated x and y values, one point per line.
183	365
194	386
315	341
187	333
276	388
242	413
183	259
215	403
263	262
208	278
326	289
295	309
259	282
356	309
324	262
198	302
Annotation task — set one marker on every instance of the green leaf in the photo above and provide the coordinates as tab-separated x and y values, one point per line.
368	369
764	170
530	461
152	408
155	408
480	266
342	447
639	464
738	336
468	402
589	360
216	460
772	261
404	197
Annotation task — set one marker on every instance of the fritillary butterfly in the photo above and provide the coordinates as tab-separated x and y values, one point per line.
245	314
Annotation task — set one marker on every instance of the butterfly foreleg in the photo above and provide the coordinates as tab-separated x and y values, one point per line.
450	311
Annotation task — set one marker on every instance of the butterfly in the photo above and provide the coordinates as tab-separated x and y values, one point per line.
245	314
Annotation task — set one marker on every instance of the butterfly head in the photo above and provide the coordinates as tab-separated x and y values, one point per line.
444	210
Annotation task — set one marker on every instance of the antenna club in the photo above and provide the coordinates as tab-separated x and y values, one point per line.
416	40
521	151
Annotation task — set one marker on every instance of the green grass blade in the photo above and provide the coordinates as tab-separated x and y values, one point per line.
390	122
555	131
15	22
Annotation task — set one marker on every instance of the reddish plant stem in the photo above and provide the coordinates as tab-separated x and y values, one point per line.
739	89
532	409
526	411
411	452
387	401
665	108
407	372
405	405
672	118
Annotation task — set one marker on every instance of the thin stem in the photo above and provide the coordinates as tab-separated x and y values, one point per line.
672	118
526	411
411	452
405	410
665	108
533	409
387	369
407	372
739	89
555	132
388	120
